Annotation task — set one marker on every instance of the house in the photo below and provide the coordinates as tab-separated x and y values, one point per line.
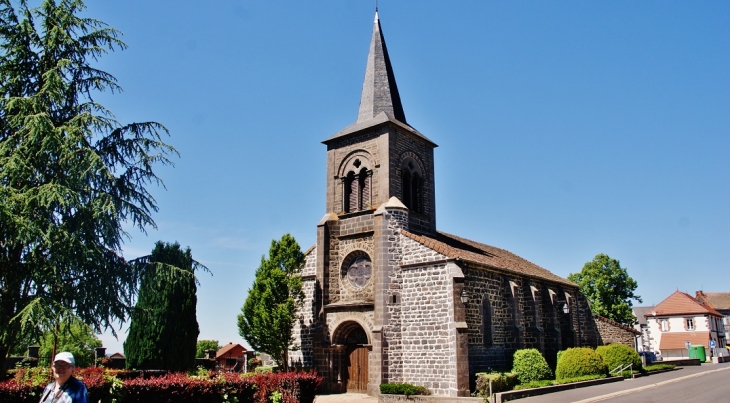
388	297
231	357
682	320
720	301
642	327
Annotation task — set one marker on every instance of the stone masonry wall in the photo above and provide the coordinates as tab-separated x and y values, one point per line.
428	334
614	333
348	235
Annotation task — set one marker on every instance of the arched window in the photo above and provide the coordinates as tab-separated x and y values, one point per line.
412	186
357	190
486	322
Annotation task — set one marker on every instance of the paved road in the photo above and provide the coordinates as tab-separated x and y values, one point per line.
706	383
654	388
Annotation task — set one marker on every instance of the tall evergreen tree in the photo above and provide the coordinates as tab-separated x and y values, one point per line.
164	330
268	314
70	174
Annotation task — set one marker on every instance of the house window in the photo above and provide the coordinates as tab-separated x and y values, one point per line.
689	324
664	325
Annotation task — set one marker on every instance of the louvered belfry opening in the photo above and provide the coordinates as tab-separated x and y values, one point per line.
357	191
412	188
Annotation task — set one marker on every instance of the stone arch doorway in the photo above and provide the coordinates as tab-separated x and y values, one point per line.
355	353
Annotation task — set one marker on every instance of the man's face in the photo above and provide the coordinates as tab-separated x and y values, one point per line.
62	371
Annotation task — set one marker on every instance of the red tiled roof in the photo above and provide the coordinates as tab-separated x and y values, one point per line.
717	300
674	341
680	303
228	347
459	248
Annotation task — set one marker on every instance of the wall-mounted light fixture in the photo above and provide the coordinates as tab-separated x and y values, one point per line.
566	309
464	296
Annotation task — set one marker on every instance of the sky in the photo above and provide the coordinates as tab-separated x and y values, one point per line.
565	129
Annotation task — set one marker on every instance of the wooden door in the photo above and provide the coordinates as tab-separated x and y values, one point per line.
357	369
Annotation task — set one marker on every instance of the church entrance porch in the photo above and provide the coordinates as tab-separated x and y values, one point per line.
348	359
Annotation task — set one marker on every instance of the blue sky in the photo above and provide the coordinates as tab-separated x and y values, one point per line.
565	129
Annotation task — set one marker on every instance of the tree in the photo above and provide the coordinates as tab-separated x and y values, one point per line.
206	345
268	314
164	328
70	174
608	287
73	336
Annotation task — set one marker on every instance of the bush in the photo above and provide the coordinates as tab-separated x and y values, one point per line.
265	369
290	387
657	367
501	382
615	355
403	389
580	361
530	365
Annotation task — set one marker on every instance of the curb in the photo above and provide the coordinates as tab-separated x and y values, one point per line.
517	394
627	391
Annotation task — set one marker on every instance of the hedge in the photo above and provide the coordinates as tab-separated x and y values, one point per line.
530	365
580	361
615	355
294	387
403	389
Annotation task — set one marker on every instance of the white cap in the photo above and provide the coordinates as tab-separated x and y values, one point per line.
66	357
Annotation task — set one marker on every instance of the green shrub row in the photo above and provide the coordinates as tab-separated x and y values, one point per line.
290	387
403	389
540	384
658	367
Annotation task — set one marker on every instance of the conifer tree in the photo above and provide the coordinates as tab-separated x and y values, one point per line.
268	315
164	330
70	174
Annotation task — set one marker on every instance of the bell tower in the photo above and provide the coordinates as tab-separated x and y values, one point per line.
381	155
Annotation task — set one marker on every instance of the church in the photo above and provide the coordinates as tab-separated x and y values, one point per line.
388	297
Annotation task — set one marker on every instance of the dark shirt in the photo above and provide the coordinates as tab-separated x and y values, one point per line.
73	391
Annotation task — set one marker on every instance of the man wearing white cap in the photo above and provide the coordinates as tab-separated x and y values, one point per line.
65	388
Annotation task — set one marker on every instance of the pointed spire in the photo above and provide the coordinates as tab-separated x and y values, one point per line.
379	91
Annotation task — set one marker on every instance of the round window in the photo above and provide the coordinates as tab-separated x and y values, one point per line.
359	271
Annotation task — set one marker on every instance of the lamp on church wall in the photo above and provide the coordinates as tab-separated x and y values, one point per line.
464	296
566	309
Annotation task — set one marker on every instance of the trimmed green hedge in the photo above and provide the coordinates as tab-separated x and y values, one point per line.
403	389
530	365
615	355
580	361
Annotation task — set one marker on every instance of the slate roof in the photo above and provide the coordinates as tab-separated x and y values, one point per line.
485	255
680	303
717	300
380	100
641	313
